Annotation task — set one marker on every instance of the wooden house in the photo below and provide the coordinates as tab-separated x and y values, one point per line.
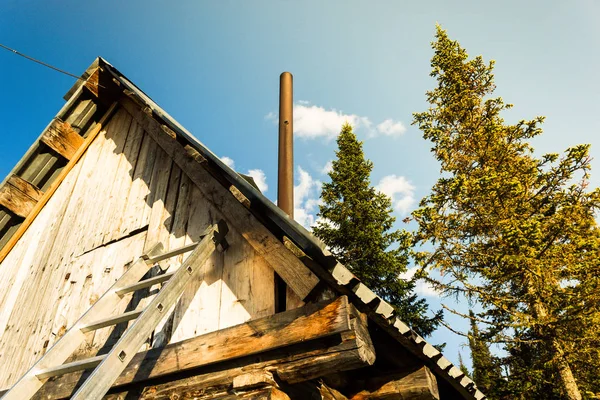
112	177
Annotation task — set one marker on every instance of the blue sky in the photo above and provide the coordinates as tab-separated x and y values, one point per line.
215	67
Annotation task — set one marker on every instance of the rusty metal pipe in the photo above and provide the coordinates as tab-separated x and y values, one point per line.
285	177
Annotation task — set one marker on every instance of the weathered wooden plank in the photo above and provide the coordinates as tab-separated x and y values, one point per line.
301	326
61	138
37	300
220	393
159	184
417	384
291	270
27	188
162	198
116	258
92	82
294	364
137	210
197	312
101	205
248	285
253	379
84	209
29	272
30	382
178	239
48	194
102	378
19	196
123	181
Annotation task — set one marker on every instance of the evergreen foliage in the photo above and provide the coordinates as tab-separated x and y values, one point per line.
514	231
462	366
486	369
355	222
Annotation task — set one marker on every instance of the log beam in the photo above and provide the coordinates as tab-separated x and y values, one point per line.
414	384
62	138
295	274
19	196
295	345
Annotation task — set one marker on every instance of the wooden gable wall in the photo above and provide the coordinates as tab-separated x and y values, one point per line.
123	196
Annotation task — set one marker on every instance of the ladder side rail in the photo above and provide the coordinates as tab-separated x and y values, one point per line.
102	378
30	383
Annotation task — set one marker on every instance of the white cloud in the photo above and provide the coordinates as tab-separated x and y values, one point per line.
327	168
259	178
257	174
422	287
306	198
312	121
400	190
390	127
229	162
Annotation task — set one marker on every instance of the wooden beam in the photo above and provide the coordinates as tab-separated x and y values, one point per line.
92	83
293	364
295	274
417	384
265	393
59	179
296	345
62	138
19	196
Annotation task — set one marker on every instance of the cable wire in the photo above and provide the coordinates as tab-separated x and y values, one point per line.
42	63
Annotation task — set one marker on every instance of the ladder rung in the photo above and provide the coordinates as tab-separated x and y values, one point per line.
172	253
102	323
145	283
79	365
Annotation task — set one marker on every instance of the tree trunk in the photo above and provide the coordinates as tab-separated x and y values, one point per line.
566	375
567	379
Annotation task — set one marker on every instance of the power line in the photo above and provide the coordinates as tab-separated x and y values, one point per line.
42	63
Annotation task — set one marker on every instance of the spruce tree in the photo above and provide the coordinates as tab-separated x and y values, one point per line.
509	229
462	366
486	370
355	221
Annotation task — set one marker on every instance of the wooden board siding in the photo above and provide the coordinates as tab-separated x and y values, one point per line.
124	195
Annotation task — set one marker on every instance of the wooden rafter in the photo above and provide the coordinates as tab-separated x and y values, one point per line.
19	196
61	138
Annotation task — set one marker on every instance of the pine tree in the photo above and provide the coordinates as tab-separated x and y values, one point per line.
355	222
486	370
462	366
511	230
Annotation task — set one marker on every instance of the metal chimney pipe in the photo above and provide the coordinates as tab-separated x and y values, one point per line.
285	178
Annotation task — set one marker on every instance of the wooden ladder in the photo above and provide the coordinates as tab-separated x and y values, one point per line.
108	367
